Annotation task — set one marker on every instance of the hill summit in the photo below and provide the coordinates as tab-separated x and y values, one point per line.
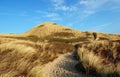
53	31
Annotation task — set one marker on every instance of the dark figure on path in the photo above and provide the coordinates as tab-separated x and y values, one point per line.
75	52
95	35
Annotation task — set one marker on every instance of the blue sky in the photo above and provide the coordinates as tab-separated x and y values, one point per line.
18	16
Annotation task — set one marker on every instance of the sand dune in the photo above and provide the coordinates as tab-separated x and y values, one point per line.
45	51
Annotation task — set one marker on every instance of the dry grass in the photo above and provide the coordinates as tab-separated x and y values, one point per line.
25	58
6	40
25	54
63	34
15	59
101	56
30	38
48	28
70	40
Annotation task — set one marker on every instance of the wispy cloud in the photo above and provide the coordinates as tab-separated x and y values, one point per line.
40	12
52	15
76	12
93	4
91	7
60	5
22	13
49	15
56	19
98	5
80	10
99	27
88	12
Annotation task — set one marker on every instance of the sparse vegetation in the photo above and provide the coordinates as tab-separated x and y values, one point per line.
103	38
80	39
67	29
33	38
40	26
54	23
88	34
63	34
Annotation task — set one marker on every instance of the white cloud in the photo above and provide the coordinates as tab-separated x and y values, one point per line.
60	5
66	8
82	2
58	2
49	15
93	4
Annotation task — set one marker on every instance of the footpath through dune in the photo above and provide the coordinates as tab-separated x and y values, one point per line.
63	66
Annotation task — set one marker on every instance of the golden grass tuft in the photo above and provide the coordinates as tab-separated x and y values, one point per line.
102	56
26	58
15	59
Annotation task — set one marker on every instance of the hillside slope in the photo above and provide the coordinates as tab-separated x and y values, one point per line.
48	28
52	32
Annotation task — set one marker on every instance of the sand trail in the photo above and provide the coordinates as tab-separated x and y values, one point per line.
63	66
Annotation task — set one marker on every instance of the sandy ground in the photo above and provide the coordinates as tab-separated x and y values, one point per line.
63	66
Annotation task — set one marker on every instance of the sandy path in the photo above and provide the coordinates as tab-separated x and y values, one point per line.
63	66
